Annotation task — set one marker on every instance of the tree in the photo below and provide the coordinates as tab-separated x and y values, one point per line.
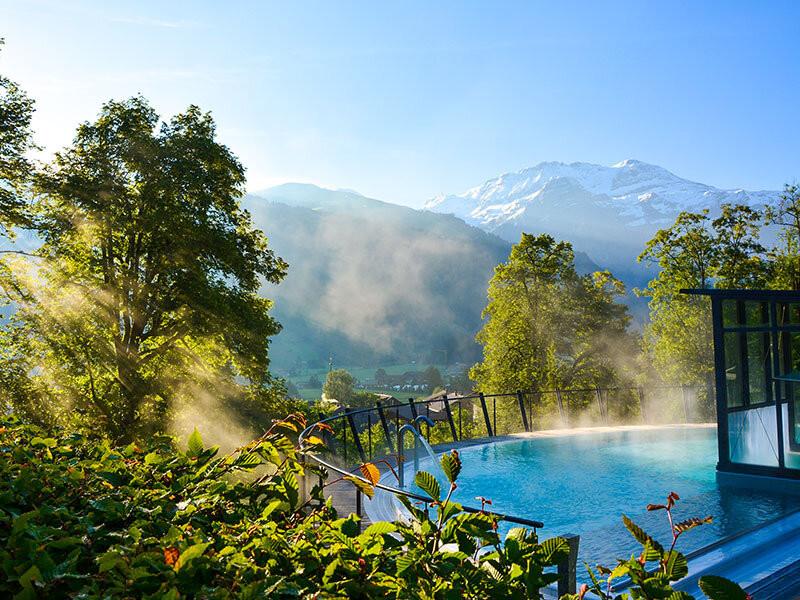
380	376
314	383
16	110
145	287
339	386
786	256
546	326
697	252
291	389
433	379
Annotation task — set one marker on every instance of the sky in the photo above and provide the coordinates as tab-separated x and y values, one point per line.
402	101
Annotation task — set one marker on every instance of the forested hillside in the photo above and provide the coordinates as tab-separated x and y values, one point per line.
372	282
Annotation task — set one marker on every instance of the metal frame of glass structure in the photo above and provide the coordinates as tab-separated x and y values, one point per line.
757	375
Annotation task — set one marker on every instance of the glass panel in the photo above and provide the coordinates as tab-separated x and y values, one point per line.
791	429
730	317
756	313
758	367
789	350
789	314
752	436
733	370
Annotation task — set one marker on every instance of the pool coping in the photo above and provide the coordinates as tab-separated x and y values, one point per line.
565	432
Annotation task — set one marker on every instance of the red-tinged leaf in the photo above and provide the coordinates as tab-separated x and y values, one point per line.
691	523
171	555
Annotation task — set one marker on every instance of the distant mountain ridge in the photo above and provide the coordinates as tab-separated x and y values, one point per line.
609	212
371	281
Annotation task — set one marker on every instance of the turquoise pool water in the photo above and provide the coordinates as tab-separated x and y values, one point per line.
584	483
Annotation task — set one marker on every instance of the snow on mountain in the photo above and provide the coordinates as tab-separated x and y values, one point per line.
609	212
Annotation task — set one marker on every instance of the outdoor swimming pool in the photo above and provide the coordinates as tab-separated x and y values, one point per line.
583	482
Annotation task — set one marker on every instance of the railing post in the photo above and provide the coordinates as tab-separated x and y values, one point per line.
460	405
303	479
344	441
486	415
385	426
564	420
428	414
640	390
401	459
530	411
567	570
599	395
521	401
358	507
369	433
356	439
413	408
450	418
685	391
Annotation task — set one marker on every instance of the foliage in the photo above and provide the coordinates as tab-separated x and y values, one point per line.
82	518
460	555
372	282
291	390
362	399
697	252
548	327
433	379
649	582
16	110
145	289
339	386
786	256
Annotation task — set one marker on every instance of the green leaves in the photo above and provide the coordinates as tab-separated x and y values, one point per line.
43	442
719	588
148	278
365	487
651	583
642	537
153	521
194	443
675	565
451	465
428	484
191	553
557	322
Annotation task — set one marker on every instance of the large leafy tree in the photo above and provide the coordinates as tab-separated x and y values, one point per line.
145	285
786	256
16	110
698	252
339	386
546	326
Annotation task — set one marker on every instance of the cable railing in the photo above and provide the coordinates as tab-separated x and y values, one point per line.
355	436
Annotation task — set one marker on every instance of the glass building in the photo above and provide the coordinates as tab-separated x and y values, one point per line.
757	374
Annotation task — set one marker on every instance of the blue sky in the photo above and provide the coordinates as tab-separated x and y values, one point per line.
402	101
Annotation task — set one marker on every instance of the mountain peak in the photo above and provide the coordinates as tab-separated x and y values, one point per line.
629	162
599	208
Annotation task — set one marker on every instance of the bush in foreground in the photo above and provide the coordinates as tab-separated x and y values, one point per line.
80	518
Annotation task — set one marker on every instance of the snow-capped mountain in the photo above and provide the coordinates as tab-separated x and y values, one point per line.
608	212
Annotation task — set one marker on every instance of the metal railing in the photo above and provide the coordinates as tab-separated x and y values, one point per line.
355	436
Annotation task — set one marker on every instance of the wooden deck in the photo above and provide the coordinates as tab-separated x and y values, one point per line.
343	497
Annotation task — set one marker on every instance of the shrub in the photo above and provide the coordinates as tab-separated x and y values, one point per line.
80	518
